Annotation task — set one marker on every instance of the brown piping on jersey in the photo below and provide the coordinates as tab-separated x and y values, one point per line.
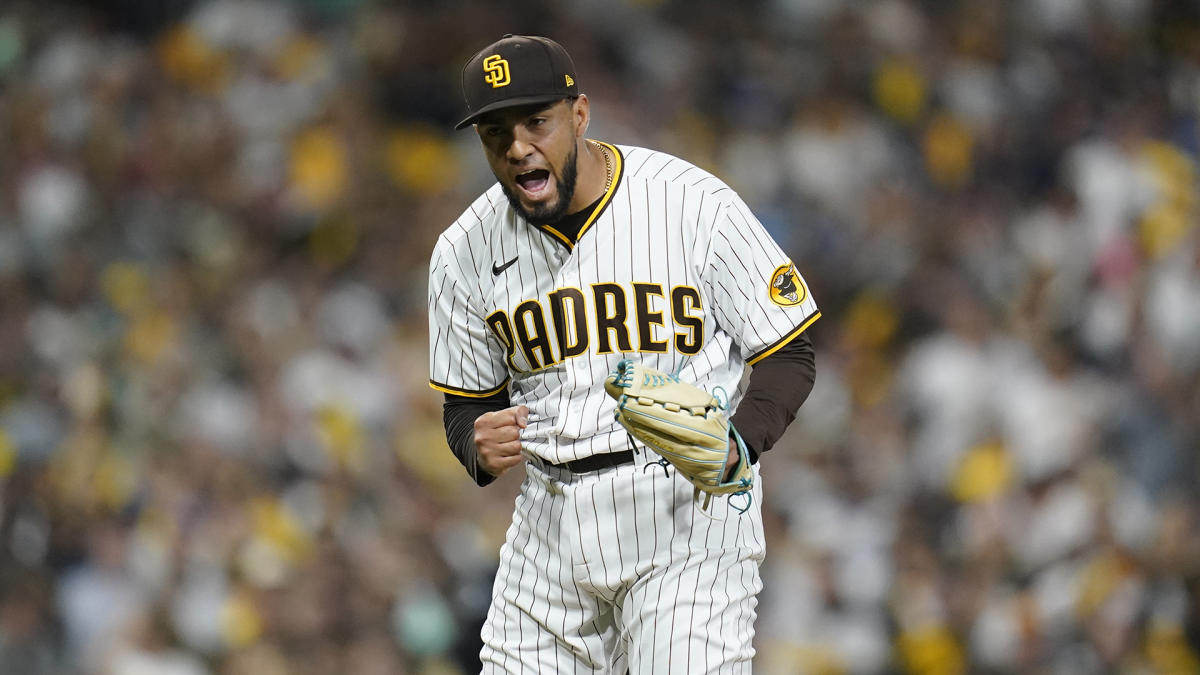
784	340
447	389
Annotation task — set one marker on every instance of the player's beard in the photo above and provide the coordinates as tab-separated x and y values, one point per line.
553	212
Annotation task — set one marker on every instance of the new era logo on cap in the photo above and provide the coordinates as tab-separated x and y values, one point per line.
516	70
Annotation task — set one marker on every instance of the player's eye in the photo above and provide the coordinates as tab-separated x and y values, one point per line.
492	132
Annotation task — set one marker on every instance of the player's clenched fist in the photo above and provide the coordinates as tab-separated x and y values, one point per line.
498	438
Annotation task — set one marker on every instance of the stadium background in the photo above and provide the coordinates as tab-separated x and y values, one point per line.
218	453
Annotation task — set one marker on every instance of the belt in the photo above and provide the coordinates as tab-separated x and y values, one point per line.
596	462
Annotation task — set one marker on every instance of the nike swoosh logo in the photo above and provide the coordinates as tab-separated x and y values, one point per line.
497	269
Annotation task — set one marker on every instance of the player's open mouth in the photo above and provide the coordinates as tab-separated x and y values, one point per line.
534	183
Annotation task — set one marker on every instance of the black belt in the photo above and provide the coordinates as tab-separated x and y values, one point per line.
596	462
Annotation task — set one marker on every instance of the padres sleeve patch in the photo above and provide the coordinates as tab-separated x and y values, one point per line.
786	288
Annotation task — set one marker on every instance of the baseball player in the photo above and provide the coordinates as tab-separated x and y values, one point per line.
584	254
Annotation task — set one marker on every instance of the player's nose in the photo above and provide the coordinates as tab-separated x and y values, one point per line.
521	142
519	149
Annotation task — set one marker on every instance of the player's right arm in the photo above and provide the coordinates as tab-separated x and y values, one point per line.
466	363
498	438
465	358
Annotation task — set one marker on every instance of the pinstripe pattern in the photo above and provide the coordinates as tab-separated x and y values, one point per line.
618	568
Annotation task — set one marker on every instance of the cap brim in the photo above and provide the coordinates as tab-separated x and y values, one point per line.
509	103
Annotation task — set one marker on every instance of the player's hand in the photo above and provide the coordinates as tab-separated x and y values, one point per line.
498	438
731	461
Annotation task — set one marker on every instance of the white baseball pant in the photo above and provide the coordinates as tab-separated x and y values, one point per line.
619	569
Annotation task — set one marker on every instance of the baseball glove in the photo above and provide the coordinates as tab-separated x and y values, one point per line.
685	425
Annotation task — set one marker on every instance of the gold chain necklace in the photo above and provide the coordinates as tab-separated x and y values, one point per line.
607	167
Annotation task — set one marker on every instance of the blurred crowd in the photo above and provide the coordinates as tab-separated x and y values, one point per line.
218	451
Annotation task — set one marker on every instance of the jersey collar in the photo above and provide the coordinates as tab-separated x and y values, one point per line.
618	172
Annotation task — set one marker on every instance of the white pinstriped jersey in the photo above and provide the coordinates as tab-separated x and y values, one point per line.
671	268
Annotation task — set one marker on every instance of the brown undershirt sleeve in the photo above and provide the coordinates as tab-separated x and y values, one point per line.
778	385
458	416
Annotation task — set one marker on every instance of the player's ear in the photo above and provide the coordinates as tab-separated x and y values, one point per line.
581	114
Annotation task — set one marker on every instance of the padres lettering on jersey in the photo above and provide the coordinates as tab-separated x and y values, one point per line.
659	272
604	319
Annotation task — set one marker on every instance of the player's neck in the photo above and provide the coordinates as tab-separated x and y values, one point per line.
596	168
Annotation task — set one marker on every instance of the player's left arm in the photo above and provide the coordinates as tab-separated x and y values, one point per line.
763	302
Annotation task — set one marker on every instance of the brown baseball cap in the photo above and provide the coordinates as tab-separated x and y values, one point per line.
516	70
